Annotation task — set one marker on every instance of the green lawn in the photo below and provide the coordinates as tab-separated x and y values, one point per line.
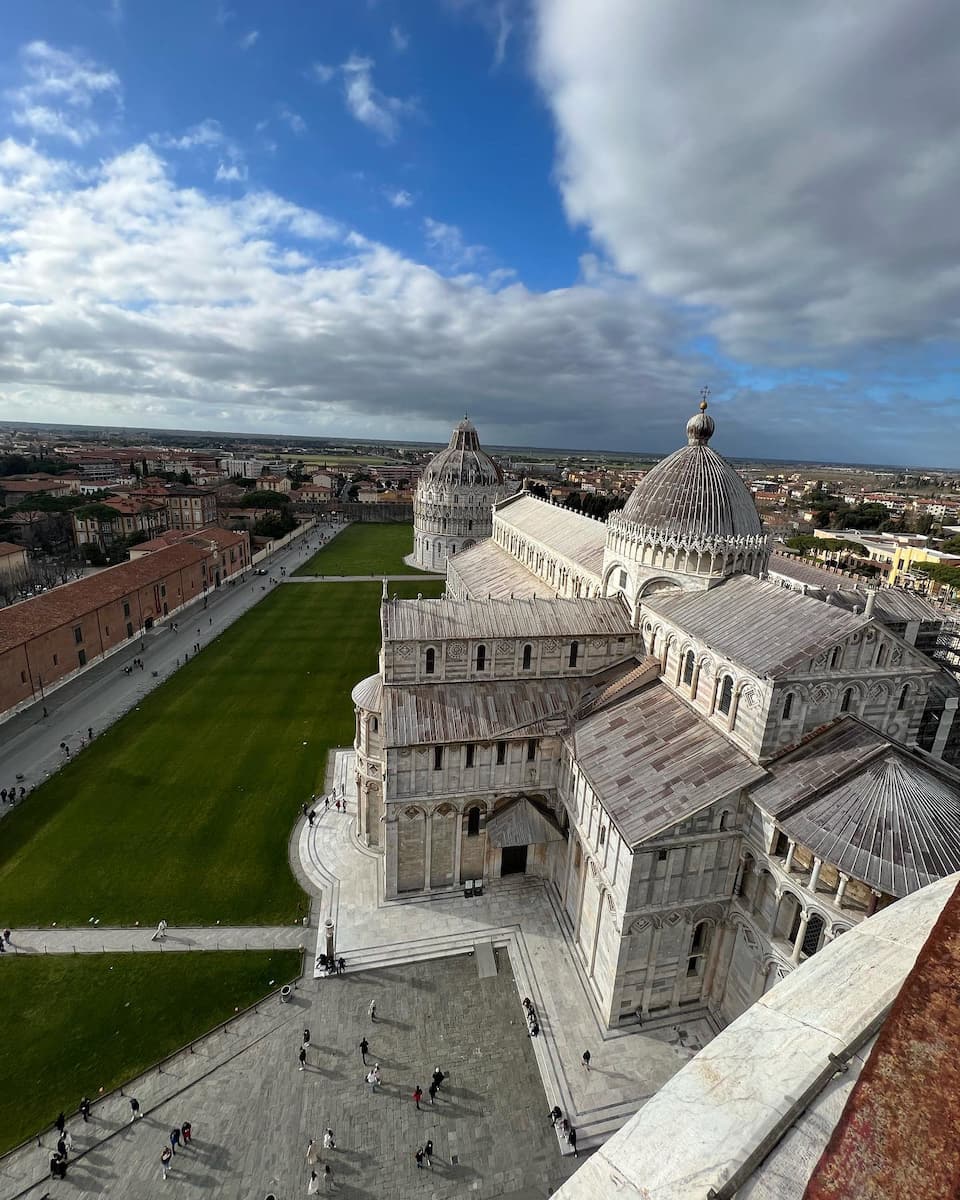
74	1025
184	809
364	550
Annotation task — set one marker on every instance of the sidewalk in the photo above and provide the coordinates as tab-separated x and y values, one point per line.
522	915
90	939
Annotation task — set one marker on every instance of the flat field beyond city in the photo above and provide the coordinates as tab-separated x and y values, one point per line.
364	550
75	1024
185	807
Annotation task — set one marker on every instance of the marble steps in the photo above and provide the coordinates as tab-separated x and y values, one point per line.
395	954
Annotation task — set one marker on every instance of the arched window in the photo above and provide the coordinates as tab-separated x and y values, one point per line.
847	700
787	705
813	935
724	820
699	948
431	663
574	651
473	821
835	657
904	696
481	658
726	694
527	656
374	724
688	664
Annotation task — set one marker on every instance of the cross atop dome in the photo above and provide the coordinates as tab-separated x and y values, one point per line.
700	427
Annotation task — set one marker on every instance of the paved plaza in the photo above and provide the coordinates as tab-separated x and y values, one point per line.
253	1111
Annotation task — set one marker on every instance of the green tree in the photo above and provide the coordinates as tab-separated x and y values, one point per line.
258	499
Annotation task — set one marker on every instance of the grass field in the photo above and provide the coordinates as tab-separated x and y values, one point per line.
340	461
185	807
81	1023
364	550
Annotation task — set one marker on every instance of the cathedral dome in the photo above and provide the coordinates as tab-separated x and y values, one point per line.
463	464
694	493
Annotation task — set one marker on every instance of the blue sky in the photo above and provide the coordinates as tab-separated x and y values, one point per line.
361	219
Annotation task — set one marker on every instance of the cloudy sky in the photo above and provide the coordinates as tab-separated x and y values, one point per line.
365	217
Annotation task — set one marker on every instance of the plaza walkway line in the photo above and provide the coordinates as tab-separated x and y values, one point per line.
520	914
101	939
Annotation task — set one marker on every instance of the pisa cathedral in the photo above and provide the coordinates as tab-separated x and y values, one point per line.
714	775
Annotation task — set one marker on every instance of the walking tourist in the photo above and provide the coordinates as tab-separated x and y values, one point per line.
419	1157
312	1154
585	1059
373	1010
60	1122
85	1109
341	965
432	1091
554	1114
327	1178
417	1096
186	1132
306	1038
303	1058
311	816
572	1139
328	1142
134	1109
313	1185
428	1153
175	1138
165	1158
364	1047
438	1077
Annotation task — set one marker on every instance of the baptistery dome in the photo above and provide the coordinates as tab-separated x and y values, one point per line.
463	463
453	505
691	522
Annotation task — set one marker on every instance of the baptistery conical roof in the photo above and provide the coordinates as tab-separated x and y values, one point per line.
694	492
463	463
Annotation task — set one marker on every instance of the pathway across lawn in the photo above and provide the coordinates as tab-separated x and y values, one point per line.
364	549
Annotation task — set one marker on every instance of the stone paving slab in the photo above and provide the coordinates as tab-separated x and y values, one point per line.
521	915
254	1112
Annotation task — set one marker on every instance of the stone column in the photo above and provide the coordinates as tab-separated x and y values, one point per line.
328	934
695	681
801	934
457	849
841	888
651	969
427	851
815	874
390	858
788	865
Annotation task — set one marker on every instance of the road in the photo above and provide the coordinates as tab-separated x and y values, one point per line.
30	743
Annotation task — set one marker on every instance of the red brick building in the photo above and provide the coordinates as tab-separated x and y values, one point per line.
50	637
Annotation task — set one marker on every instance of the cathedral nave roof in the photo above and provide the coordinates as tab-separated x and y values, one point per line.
488	570
768	629
654	762
573	536
476	620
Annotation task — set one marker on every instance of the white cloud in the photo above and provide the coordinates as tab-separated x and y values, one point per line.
231	173
447	243
322	73
400	39
504	27
367	104
399	198
204	134
791	172
249	40
125	298
59	92
293	120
